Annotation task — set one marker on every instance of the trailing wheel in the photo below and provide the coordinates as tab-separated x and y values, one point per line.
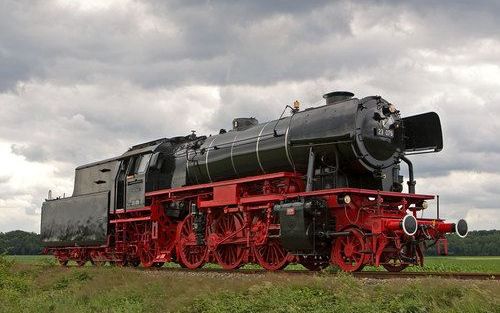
63	261
189	253
147	252
348	251
81	262
98	263
229	228
271	255
96	259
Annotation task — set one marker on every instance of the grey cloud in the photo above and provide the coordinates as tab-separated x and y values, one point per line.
224	42
32	153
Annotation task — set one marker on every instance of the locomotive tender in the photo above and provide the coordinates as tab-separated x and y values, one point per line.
321	186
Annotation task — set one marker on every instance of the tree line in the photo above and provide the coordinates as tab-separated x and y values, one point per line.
481	242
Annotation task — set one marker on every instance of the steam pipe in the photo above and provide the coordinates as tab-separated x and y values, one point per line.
310	170
411	182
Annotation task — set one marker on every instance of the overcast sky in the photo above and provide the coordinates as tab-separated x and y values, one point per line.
84	80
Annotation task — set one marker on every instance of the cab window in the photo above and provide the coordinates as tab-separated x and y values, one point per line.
143	164
134	164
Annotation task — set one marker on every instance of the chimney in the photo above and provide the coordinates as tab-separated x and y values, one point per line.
337	96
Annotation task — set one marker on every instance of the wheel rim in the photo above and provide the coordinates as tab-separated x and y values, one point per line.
348	251
190	254
81	262
148	252
63	262
98	263
391	260
271	256
229	255
97	259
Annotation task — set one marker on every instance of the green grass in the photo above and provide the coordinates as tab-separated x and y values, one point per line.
45	287
489	264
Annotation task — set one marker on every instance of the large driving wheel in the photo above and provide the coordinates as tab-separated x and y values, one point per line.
189	253
228	253
348	251
271	255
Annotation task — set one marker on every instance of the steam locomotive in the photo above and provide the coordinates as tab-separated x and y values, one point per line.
320	187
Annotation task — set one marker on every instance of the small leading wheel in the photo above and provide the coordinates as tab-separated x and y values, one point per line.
392	257
271	255
229	254
62	262
189	253
348	251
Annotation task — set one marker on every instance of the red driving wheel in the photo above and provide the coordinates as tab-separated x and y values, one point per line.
189	253
229	228
271	255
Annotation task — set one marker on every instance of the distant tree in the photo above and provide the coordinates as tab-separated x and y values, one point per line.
481	242
19	242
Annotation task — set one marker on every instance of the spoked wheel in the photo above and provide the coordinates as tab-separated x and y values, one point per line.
62	262
98	263
189	253
347	252
229	254
271	255
81	262
393	261
391	258
96	259
314	262
148	252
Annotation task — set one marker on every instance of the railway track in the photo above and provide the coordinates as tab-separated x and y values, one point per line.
367	274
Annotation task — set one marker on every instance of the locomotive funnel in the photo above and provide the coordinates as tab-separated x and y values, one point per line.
461	228
337	96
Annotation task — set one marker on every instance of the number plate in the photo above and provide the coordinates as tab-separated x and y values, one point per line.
382	132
